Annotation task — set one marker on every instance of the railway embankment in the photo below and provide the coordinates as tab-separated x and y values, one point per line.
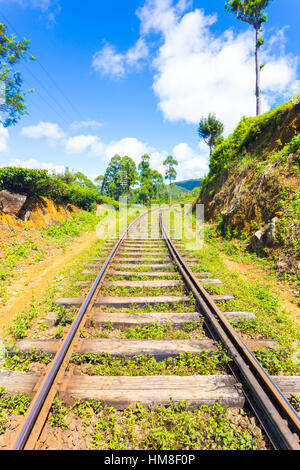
251	194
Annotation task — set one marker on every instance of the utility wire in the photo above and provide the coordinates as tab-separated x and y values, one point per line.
50	78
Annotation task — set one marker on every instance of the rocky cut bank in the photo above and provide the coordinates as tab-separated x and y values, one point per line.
252	189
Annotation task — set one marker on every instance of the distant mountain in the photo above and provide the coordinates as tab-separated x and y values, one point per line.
189	185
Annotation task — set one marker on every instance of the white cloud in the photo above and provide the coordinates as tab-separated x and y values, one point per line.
85	124
81	143
109	62
50	8
34	164
190	161
129	146
136	53
198	72
49	130
4	135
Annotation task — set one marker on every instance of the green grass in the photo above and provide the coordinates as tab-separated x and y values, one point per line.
204	363
31	320
31	251
144	291
167	331
159	307
71	228
21	362
173	427
254	296
11	404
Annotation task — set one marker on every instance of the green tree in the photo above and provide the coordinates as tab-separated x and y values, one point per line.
211	130
158	186
12	103
111	185
98	181
129	175
171	173
144	168
120	175
252	12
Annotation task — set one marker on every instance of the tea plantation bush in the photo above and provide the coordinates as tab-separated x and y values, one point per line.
35	183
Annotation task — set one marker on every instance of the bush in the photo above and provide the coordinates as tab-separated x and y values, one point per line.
40	183
85	198
32	183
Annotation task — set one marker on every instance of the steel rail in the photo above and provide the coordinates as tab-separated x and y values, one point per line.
276	415
48	381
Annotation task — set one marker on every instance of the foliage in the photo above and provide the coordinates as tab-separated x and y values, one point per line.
21	362
174	426
171	173
35	183
211	130
243	139
11	404
156	331
276	362
120	175
252	12
204	363
11	52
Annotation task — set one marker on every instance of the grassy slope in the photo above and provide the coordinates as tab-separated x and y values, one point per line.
30	246
254	176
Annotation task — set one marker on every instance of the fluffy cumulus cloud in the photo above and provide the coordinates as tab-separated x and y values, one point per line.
85	124
49	8
35	164
51	131
197	71
190	161
109	62
4	135
81	143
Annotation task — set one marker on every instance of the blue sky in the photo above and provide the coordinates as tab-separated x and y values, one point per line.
135	77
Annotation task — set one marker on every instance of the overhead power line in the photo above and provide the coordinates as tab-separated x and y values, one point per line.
59	105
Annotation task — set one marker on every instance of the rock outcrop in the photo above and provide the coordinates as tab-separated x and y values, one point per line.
11	203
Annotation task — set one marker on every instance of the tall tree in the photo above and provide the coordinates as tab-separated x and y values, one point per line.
99	180
211	130
12	103
111	184
129	174
171	173
120	175
157	182
144	167
252	12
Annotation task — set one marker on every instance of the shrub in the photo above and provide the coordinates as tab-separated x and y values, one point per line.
32	183
41	183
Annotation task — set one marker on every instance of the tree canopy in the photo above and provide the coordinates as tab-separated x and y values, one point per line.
252	12
211	130
12	103
120	175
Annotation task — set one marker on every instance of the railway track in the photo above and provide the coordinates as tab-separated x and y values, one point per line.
128	292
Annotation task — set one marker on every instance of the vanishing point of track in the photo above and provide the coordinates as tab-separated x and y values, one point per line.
279	420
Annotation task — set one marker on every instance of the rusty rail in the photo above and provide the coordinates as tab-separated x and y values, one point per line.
276	415
28	435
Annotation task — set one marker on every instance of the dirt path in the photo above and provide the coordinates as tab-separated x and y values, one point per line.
35	279
283	292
